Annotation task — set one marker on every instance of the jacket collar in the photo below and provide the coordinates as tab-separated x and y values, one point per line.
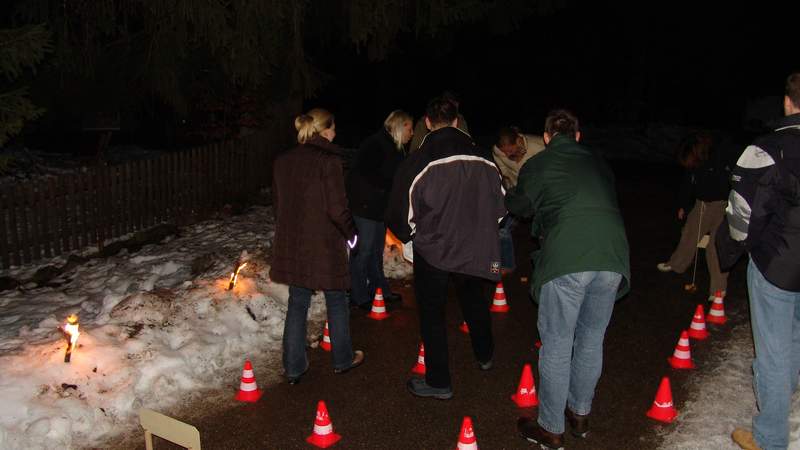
792	121
324	144
561	139
444	131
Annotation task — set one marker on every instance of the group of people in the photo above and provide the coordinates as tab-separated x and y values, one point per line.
456	206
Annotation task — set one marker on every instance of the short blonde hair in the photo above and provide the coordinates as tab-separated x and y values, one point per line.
394	126
312	123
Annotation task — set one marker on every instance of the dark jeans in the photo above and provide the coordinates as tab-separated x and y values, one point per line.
430	288
295	361
366	266
507	243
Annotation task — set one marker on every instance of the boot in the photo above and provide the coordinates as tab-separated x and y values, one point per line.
532	432
578	423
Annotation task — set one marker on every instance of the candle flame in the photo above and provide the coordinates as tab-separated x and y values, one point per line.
71	328
235	276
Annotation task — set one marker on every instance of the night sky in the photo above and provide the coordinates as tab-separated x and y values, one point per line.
696	64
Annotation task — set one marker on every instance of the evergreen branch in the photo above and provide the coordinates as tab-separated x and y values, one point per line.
22	48
15	110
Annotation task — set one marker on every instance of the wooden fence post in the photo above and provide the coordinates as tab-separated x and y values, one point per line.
5	247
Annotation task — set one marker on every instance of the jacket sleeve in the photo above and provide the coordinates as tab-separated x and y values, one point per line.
750	204
335	200
518	199
396	216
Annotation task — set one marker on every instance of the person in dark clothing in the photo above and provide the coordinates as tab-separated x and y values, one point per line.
313	232
763	219
368	188
448	199
703	193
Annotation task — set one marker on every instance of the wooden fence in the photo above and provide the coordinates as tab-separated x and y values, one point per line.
66	213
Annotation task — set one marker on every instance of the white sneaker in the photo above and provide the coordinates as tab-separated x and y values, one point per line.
664	267
711	296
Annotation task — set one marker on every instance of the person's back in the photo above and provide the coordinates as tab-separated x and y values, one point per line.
456	201
313	230
448	200
763	218
581	269
775	246
303	178
577	216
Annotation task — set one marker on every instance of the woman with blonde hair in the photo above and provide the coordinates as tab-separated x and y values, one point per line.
313	235
368	188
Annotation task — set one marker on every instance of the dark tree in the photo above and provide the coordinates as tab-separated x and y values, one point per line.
123	52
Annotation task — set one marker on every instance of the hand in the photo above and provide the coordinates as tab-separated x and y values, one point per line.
681	214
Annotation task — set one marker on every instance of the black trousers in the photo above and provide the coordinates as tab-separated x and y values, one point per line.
430	288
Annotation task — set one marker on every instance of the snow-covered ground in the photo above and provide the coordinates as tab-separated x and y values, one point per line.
157	333
722	399
159	329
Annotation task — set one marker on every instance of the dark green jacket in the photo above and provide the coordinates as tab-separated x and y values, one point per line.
569	191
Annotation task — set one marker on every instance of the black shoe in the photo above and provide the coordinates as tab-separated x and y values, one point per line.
530	430
358	358
578	423
420	388
296	380
366	306
393	298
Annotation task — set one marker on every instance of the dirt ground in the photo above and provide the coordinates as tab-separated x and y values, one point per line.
371	408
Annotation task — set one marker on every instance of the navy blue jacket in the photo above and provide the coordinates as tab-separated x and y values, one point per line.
763	215
448	198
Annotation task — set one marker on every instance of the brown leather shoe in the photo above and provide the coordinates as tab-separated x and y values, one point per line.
530	430
578	424
744	439
358	358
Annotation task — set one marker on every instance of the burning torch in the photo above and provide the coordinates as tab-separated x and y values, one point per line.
72	333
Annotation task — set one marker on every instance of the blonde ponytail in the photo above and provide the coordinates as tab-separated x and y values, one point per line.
312	123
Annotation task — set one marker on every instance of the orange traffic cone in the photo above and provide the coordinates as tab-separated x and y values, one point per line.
323	435
499	303
466	440
419	368
526	391
378	311
716	314
463	327
662	408
248	390
682	357
326	339
697	330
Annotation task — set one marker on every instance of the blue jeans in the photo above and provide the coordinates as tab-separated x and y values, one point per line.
574	311
507	243
366	266
295	361
775	319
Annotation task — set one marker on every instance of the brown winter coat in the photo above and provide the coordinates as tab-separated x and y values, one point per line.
313	222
